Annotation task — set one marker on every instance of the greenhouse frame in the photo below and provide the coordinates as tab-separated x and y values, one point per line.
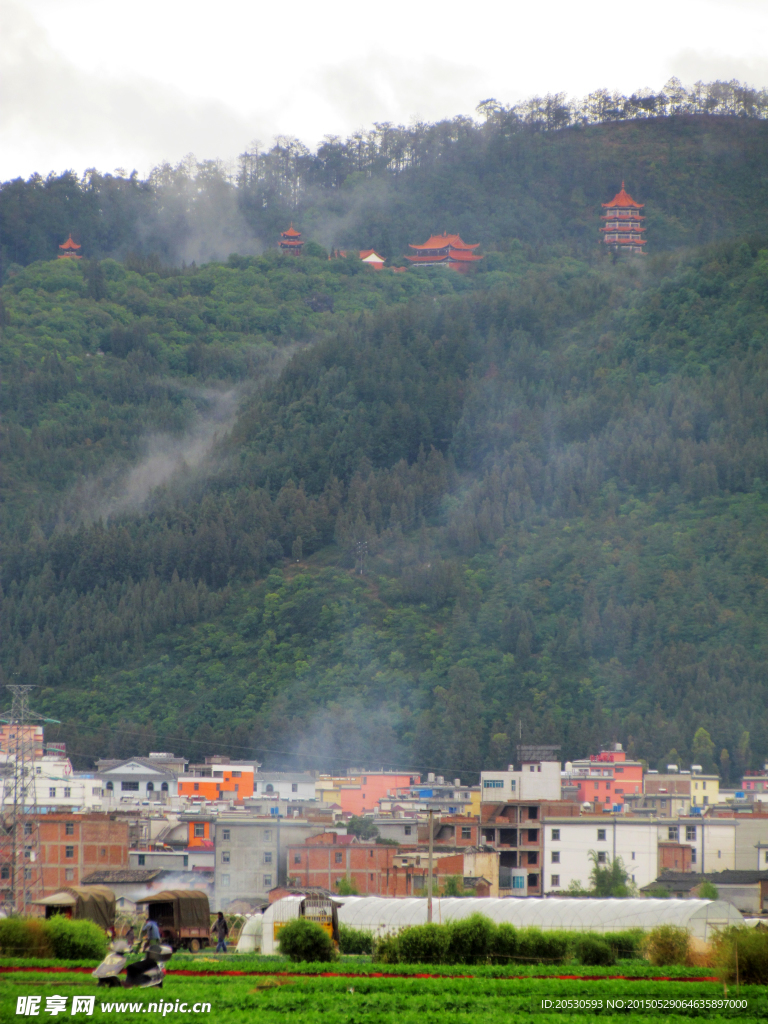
702	918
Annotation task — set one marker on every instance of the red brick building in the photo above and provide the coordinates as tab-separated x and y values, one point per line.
73	845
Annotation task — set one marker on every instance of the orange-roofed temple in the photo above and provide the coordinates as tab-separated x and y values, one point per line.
290	241
445	251
623	229
69	250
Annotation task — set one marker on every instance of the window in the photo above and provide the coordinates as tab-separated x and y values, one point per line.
555	835
407	830
297	858
5	871
196	786
267	856
672	834
533	835
69	852
67	793
518	882
267	881
294	787
27	828
619	770
555	881
601	835
186	861
555	856
225	835
268	835
270	788
718	855
141	860
131	787
706	801
693	855
466	831
224	880
533	813
533	857
493	784
690	833
703	785
225	856
513	785
338	857
164	787
633	855
237	775
370	853
371	877
150	787
69	874
103	851
602	857
95	791
199	831
52	792
110	787
27	874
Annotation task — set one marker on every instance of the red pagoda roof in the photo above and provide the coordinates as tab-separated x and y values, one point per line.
69	244
291	232
364	253
290	241
623	198
443	241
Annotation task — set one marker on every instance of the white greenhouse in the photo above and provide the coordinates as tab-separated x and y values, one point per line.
250	936
386	916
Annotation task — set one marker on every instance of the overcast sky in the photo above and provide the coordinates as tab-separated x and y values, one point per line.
107	84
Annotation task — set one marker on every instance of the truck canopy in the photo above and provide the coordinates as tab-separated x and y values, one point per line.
190	907
88	902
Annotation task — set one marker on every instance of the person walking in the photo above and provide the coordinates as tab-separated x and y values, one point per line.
150	932
221	931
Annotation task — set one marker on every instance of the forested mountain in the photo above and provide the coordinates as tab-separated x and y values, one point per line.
554	472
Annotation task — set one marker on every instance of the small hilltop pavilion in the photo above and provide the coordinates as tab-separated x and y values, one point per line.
69	248
290	241
445	251
623	230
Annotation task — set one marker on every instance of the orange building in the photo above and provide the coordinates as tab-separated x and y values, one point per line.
290	241
361	793
445	251
69	250
607	777
30	737
228	781
623	230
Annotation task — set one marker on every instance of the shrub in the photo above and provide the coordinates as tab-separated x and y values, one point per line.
305	940
627	944
504	944
708	891
667	945
744	950
21	936
594	951
354	941
76	940
386	950
536	946
470	940
424	944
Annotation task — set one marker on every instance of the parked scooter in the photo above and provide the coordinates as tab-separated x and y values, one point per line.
144	973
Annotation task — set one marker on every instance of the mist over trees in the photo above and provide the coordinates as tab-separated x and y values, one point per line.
514	173
552	470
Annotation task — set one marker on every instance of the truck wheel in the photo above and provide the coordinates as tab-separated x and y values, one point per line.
194	946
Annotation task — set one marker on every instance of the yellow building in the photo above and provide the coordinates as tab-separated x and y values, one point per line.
705	789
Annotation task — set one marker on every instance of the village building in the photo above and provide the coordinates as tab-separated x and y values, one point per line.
605	779
290	241
746	890
360	792
136	780
755	782
623	230
70	248
218	778
444	251
73	845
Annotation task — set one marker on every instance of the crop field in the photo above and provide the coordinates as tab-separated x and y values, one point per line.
401	999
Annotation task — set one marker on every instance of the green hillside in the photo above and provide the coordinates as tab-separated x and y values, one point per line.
556	469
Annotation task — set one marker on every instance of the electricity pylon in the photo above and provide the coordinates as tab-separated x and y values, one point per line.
21	868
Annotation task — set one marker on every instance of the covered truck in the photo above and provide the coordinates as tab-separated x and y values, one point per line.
82	903
182	916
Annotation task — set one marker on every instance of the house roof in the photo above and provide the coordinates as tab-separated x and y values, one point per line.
443	241
69	244
623	198
284	777
151	764
684	881
366	253
291	232
129	875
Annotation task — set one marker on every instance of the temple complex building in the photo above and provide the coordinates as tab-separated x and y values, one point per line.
69	250
444	251
623	230
290	241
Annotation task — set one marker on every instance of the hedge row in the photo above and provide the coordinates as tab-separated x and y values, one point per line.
58	937
477	939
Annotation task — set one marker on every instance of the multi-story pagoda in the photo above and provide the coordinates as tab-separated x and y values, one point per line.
69	250
290	241
623	229
445	251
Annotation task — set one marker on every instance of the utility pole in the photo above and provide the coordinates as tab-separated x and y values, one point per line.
21	869
429	870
